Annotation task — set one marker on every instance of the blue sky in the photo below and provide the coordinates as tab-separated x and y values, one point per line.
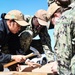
27	7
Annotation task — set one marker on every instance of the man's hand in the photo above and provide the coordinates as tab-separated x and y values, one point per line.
54	66
18	58
33	64
29	67
49	68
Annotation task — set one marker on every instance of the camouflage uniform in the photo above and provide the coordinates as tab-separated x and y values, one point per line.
72	0
44	37
64	33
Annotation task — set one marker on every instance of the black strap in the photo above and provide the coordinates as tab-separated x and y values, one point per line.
4	26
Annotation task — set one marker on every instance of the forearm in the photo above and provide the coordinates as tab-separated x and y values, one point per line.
49	53
4	58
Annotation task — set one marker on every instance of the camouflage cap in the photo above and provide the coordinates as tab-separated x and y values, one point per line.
17	16
42	17
51	9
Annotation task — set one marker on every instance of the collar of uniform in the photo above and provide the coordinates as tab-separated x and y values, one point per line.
72	4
